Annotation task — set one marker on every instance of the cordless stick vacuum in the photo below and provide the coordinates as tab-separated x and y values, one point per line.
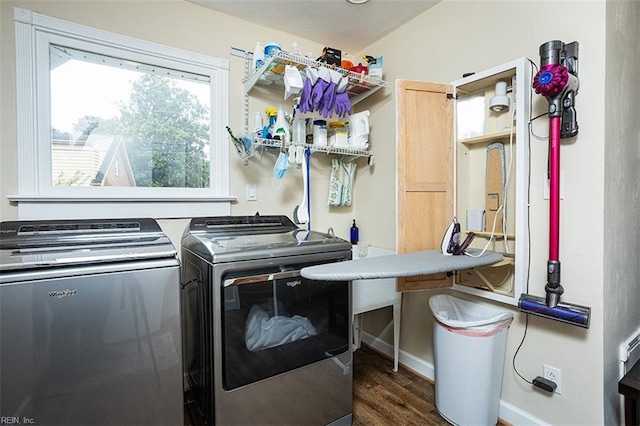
557	80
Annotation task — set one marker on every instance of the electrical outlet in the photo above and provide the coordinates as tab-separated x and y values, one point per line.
555	375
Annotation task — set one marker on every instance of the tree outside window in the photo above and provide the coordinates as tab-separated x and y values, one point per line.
157	137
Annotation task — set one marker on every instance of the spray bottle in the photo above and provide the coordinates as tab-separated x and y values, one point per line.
272	114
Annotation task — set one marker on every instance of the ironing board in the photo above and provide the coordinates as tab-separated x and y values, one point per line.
494	184
399	265
394	266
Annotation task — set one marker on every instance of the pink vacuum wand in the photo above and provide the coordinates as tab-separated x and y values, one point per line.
557	81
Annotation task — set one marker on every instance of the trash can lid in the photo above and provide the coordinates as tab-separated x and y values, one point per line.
458	313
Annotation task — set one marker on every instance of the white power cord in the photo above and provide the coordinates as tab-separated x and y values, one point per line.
506	182
493	230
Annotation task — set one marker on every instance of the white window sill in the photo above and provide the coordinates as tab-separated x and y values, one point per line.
33	207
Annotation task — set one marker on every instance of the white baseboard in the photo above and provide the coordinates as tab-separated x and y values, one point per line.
508	413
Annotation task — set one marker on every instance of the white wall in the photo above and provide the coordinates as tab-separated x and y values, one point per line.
440	45
621	292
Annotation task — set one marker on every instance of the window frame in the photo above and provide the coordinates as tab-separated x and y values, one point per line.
37	197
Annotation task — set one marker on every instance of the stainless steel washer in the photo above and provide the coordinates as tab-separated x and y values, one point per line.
264	345
89	324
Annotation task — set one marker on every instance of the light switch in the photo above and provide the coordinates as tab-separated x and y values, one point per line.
545	195
252	193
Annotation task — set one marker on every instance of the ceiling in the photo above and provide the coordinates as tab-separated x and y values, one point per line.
334	23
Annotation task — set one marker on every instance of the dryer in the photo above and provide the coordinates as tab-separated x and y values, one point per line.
263	345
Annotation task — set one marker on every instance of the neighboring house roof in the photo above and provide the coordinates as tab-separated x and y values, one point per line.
115	169
99	160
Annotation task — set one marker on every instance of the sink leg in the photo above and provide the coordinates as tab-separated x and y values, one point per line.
397	313
357	331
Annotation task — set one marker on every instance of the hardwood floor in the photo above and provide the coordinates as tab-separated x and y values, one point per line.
380	396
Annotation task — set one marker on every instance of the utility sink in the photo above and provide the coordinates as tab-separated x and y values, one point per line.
369	295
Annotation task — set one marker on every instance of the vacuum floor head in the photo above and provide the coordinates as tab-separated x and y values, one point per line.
564	312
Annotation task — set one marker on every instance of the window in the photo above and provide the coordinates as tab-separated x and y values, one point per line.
117	123
153	121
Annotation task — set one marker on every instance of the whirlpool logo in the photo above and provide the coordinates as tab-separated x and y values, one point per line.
294	283
61	294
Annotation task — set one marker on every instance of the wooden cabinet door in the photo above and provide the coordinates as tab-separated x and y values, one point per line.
424	173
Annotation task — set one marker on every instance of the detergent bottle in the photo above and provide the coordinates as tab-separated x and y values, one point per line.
280	129
299	127
359	126
258	56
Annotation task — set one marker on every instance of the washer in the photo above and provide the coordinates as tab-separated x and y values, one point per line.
89	323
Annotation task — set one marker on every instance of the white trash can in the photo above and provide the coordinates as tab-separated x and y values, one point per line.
469	350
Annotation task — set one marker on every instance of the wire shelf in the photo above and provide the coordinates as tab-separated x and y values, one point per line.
271	73
275	143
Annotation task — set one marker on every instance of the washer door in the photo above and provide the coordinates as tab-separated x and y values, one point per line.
277	322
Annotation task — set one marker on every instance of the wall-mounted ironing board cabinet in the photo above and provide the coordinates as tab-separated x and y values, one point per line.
457	157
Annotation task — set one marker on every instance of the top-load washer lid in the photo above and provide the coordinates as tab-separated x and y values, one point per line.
233	238
36	244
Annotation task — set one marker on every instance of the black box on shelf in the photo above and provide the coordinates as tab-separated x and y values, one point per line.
331	56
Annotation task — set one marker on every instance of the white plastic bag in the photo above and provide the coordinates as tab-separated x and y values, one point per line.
460	315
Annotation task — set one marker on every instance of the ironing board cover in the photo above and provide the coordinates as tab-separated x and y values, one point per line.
399	265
